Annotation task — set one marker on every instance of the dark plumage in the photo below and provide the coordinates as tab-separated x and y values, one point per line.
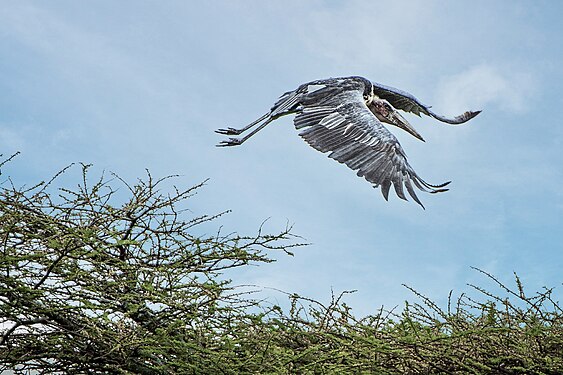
343	116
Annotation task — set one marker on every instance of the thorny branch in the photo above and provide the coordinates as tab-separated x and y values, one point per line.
89	283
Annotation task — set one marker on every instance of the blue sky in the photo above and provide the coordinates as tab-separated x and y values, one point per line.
131	85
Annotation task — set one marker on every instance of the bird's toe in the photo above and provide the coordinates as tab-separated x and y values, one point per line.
228	131
229	142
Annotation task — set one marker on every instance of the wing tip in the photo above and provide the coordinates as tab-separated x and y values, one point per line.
438	191
470	114
463	118
439	186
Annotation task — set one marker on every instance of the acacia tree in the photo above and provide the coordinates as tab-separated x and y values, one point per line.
96	280
91	285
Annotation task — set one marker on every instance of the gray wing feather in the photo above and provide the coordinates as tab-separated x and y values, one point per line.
407	102
341	123
290	101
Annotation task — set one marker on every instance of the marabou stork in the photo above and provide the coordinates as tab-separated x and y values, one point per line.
344	116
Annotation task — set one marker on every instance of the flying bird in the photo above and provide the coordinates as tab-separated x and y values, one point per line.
344	116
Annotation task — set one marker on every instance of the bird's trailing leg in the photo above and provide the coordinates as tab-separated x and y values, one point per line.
240	141
233	131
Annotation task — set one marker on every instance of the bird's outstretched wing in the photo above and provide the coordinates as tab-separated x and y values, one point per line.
342	123
404	101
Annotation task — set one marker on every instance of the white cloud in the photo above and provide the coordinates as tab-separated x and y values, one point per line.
11	139
378	39
487	84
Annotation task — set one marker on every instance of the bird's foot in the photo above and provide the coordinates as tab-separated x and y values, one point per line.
230	142
228	131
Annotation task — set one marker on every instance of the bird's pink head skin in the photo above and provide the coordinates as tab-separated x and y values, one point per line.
389	115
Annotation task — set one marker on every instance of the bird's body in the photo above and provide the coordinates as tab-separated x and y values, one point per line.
344	116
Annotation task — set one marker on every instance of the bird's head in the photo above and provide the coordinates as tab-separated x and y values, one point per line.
389	115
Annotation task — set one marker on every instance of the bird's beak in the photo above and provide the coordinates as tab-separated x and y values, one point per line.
400	122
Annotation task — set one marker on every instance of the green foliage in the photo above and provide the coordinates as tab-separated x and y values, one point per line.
90	285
